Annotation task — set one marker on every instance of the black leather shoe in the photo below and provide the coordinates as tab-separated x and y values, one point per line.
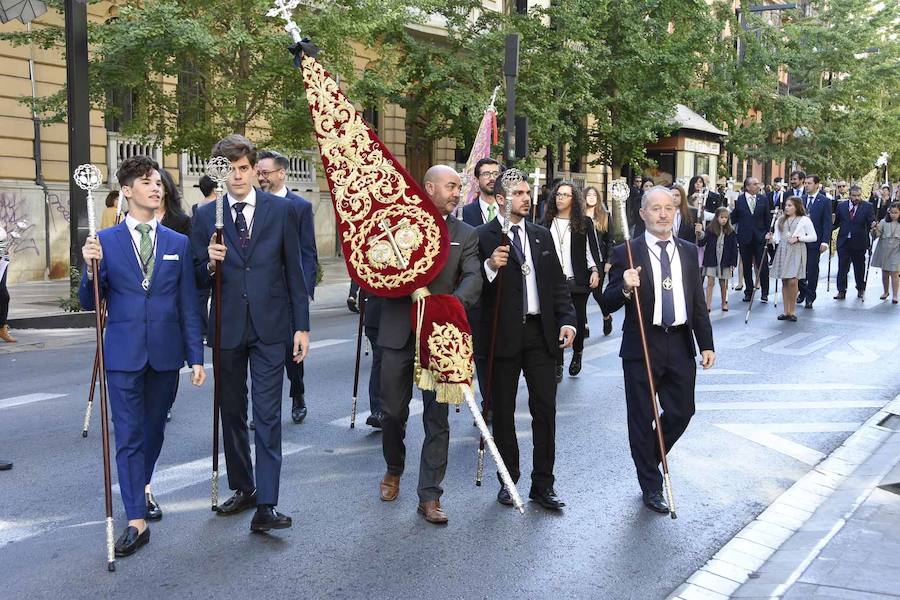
5	466
239	502
267	518
131	540
655	502
504	497
559	373
808	304
861	294
575	365
298	409
154	512
547	499
374	420
607	325
746	298
764	299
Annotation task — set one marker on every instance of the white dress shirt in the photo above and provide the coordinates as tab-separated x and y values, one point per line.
248	211
678	295
561	232
531	287
132	224
282	193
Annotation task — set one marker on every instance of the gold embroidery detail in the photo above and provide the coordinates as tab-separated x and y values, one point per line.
362	177
450	353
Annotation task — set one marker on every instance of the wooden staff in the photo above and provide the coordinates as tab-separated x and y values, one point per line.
667	482
756	284
871	245
88	178
90	404
359	336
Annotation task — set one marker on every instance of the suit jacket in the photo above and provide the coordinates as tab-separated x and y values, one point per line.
472	215
853	234
752	227
714	201
309	255
266	279
729	250
776	199
613	299
460	277
555	301
160	326
819	213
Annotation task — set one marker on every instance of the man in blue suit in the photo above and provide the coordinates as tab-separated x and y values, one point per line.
818	209
263	291
854	220
271	172
153	326
752	217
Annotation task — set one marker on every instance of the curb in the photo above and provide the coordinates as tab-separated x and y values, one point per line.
751	547
76	320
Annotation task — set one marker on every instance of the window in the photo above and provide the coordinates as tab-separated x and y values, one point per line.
701	165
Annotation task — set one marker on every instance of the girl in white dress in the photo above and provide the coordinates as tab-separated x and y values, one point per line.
793	230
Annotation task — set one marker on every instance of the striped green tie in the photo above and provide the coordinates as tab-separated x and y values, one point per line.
146	250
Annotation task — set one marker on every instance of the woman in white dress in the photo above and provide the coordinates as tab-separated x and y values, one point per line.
793	229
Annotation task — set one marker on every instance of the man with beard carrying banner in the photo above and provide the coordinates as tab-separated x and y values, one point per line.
395	242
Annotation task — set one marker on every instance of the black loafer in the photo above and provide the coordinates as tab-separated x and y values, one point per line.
559	373
607	326
792	318
298	409
575	365
655	502
807	305
5	466
548	499
374	420
154	512
504	497
764	299
267	518
131	540
239	502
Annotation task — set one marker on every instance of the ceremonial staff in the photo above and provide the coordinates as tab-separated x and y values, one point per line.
218	169
359	334
759	268
509	179
89	178
619	191
535	191
881	162
90	403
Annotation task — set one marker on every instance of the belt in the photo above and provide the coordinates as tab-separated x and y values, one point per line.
527	318
671	328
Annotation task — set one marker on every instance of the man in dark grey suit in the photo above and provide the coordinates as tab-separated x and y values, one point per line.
461	276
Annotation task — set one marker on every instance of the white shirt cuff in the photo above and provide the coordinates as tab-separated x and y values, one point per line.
488	271
575	331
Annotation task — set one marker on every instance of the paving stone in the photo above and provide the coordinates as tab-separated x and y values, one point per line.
713	582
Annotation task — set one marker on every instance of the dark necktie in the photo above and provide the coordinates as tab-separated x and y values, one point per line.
668	297
520	254
241	224
852	211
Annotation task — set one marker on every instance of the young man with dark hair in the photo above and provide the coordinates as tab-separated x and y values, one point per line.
818	209
146	276
752	215
271	172
263	291
487	170
796	180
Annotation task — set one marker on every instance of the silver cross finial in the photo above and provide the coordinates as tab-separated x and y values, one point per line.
285	10
88	177
219	169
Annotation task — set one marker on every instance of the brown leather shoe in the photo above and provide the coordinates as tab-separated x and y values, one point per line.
433	512
4	335
390	487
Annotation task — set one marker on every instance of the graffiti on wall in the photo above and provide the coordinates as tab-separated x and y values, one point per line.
15	220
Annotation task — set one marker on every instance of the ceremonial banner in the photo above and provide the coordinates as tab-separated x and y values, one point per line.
486	136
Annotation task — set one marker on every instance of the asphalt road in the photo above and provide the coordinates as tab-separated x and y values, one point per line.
782	396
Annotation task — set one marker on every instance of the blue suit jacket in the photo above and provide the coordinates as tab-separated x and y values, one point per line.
266	279
309	254
819	213
854	234
752	228
471	214
159	327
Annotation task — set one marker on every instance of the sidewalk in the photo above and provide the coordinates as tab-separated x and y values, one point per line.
35	305
835	534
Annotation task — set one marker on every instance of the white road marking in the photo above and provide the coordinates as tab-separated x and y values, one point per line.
744	338
783	348
782	387
862	351
328	342
27	399
764	435
790	405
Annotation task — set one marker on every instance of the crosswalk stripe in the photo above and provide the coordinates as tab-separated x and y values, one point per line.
27	399
789	405
782	387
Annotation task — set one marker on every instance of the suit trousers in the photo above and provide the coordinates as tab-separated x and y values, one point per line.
138	402
580	300
375	373
539	366
396	387
755	254
4	299
294	372
808	286
266	366
857	258
675	374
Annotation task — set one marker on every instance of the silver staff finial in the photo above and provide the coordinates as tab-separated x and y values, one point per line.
285	10
88	177
219	169
619	191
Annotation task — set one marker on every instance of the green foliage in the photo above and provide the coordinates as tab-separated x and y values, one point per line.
72	303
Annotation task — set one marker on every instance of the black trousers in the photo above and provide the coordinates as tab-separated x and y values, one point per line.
808	286
539	366
266	363
674	373
482	347
754	253
4	299
857	258
294	372
375	373
396	387
580	301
